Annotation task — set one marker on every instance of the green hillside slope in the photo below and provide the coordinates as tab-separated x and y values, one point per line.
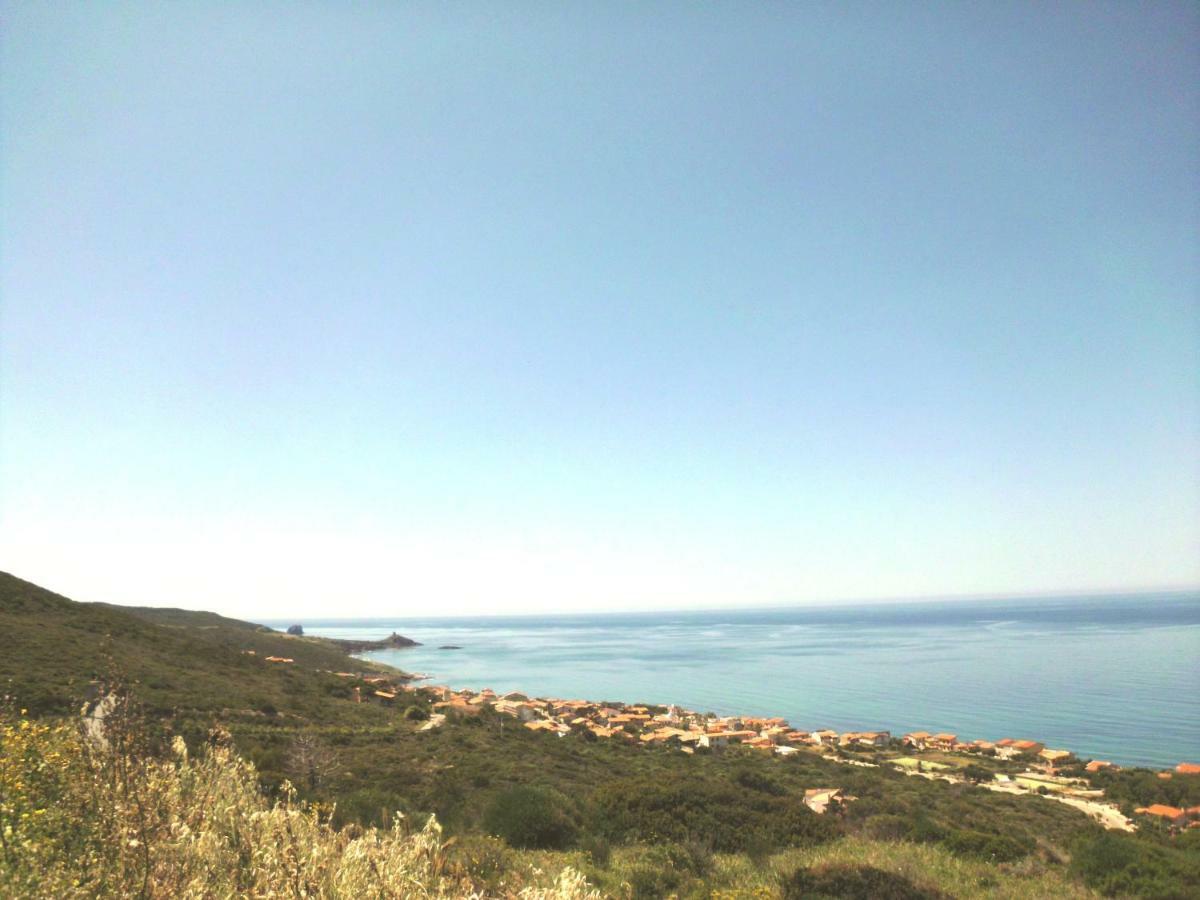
176	660
639	821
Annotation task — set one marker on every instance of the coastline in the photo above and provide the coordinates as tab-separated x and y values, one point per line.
1104	682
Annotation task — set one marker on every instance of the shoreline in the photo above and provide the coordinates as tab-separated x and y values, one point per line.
770	727
1113	759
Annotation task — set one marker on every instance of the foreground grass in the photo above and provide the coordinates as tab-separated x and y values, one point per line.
96	817
647	871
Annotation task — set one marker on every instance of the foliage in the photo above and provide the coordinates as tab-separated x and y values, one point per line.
977	773
530	817
82	818
722	813
180	661
853	883
1124	865
1132	788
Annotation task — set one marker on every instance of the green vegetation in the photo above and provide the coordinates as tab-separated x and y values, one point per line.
1132	788
82	818
530	818
853	883
1118	865
636	821
180	662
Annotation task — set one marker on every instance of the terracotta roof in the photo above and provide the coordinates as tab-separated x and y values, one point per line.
1159	809
1188	769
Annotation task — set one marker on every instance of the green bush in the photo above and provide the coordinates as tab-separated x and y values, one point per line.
597	848
369	806
853	883
1119	865
416	714
989	847
722	814
530	818
977	773
651	882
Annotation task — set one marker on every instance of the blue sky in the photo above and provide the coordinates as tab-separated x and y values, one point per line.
404	308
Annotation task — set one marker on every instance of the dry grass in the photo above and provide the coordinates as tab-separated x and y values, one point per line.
81	818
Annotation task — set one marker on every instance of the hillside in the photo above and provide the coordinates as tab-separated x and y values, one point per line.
177	660
636	820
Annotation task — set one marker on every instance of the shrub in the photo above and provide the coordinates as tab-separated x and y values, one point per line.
651	882
416	714
847	882
977	773
597	848
698	808
990	847
530	818
1124	865
98	817
369	806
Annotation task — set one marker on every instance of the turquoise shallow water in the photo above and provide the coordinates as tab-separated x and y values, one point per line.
1114	677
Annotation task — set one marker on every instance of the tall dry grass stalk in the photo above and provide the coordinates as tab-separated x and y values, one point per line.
88	814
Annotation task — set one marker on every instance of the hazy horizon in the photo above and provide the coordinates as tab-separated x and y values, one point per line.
524	309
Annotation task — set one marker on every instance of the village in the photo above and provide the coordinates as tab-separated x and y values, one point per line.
931	755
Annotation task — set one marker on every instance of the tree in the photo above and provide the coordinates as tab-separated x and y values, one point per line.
311	761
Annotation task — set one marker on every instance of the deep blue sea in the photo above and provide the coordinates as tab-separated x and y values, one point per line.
1113	677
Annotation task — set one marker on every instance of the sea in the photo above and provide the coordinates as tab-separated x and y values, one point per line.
1113	677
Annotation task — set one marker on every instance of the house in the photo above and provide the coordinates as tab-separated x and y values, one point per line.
943	741
389	696
663	736
917	739
519	709
798	737
1054	757
1172	814
459	705
865	738
1188	769
739	736
280	659
1097	764
1004	748
776	733
818	799
825	737
784	750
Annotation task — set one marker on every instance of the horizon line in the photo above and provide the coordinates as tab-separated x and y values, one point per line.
1076	593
